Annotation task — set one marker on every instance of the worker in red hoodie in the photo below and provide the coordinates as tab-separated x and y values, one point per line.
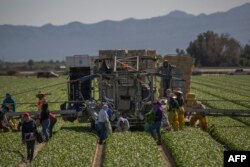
28	135
53	120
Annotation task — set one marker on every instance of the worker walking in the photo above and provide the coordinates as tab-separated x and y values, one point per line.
44	121
201	117
102	119
181	111
157	109
165	72
122	124
28	135
173	112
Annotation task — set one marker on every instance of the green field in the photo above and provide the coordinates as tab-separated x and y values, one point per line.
74	145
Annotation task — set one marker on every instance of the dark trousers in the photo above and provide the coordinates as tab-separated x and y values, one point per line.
102	132
30	149
156	127
166	85
51	126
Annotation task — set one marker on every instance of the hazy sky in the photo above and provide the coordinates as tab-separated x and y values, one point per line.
58	12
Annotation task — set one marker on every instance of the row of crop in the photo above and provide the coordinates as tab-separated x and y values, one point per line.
73	145
233	82
11	147
193	147
227	96
25	89
224	88
233	134
132	149
241	81
219	103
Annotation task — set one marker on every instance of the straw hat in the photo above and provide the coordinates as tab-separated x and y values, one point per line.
40	94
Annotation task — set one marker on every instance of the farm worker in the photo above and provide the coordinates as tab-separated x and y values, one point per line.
41	99
109	112
28	135
94	121
181	110
102	120
173	112
9	102
122	124
44	121
157	120
199	116
165	121
3	122
150	117
9	105
165	72
53	120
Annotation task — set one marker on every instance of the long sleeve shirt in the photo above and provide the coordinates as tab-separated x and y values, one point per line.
126	124
44	115
102	116
9	102
28	127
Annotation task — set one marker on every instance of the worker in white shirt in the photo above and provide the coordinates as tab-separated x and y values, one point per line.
102	119
122	124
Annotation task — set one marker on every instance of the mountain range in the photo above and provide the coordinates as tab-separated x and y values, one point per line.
163	33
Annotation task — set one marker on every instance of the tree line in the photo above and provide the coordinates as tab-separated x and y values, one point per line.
210	49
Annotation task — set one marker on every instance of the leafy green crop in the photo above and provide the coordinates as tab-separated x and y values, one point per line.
233	134
15	85
193	147
132	149
71	146
11	148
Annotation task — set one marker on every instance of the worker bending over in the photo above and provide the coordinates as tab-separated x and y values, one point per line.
122	124
201	117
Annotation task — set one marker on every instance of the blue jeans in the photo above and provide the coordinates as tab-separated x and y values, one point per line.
102	131
45	129
156	126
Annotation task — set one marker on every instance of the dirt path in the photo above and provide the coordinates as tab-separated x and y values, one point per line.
98	158
166	155
38	148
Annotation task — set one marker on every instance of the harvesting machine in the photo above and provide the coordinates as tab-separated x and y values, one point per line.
128	81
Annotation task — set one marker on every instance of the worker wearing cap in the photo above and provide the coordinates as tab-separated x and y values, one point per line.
181	111
102	119
157	109
28	135
203	121
166	73
173	112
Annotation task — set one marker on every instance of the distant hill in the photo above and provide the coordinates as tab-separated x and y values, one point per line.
163	33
